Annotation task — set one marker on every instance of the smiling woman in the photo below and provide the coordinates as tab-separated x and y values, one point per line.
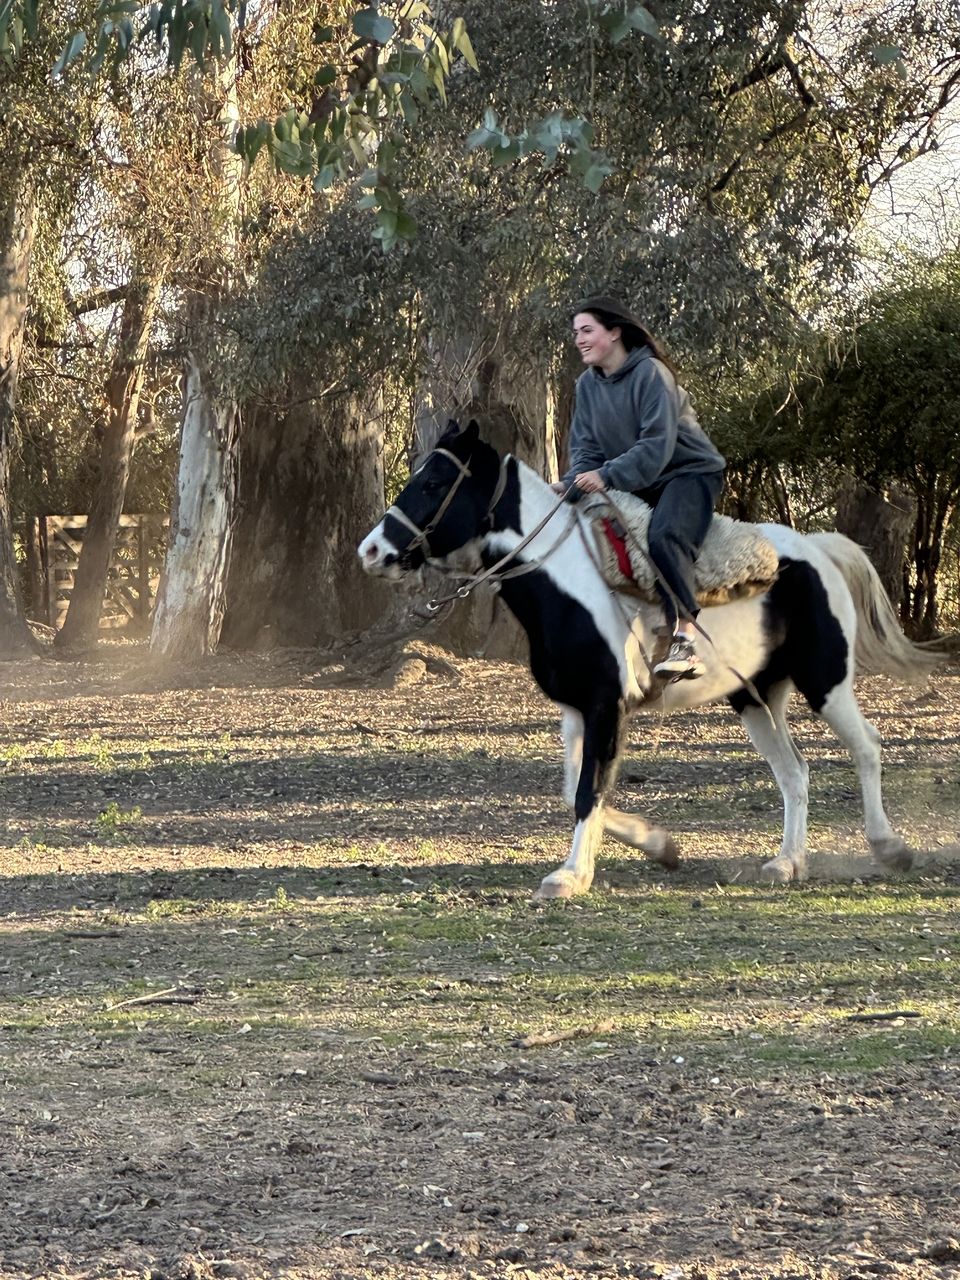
634	429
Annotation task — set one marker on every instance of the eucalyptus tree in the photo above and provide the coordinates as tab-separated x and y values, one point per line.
325	360
709	162
324	121
17	230
124	230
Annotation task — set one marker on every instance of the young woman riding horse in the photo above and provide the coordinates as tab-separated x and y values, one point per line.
825	615
634	429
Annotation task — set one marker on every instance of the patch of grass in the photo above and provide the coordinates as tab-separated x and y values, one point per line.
101	753
178	908
113	819
859	1052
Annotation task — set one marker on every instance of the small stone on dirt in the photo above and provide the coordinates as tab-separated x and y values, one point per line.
945	1250
434	1249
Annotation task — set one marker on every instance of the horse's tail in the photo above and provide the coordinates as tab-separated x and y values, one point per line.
881	647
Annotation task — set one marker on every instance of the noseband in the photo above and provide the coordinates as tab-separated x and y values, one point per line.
421	537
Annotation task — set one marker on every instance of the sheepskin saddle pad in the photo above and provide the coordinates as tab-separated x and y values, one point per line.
736	560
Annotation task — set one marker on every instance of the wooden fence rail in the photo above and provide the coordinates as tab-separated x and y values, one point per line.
51	552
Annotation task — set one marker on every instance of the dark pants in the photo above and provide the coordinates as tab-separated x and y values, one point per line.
682	511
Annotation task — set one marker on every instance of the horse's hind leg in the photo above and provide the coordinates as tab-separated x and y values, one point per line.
843	715
591	753
628	828
770	734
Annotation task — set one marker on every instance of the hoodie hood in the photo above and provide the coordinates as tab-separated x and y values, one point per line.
633	359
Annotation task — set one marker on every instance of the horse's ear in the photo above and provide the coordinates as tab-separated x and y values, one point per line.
471	432
450	433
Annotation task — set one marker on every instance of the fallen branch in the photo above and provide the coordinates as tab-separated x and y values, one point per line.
882	1017
93	933
381	729
557	1037
172	1000
170	995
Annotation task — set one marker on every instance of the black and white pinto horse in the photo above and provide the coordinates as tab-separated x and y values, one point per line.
826	615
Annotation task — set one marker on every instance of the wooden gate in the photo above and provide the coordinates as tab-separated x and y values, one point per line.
51	554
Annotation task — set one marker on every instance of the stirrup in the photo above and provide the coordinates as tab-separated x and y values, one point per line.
682	662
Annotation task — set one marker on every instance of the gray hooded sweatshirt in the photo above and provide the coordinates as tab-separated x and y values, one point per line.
636	427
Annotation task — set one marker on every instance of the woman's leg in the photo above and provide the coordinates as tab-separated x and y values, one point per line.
678	526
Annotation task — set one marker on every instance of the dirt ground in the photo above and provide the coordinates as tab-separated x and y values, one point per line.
268	961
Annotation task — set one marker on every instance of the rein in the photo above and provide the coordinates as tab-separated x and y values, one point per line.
496	572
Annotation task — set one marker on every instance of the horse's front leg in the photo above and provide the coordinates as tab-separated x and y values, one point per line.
592	746
629	828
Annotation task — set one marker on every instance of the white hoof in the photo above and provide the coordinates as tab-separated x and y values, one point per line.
560	884
782	870
892	853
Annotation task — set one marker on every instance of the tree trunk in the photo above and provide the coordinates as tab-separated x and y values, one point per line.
191	599
881	525
18	221
123	396
190	603
311	487
935	499
934	512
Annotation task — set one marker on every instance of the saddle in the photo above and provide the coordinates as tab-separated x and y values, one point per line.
735	562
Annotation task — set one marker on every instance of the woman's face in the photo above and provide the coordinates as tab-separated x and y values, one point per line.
593	340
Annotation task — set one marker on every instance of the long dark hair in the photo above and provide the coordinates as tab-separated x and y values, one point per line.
632	334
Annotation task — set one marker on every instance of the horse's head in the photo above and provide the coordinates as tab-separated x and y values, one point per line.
444	506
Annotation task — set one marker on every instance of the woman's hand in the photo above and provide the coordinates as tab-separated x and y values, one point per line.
590	482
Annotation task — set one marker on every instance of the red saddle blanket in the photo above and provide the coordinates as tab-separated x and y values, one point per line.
619	544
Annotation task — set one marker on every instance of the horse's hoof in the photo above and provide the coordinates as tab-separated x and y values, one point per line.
559	884
892	853
668	855
781	871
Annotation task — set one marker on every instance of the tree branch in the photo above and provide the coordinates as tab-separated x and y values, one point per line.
97	299
922	139
785	127
807	97
762	71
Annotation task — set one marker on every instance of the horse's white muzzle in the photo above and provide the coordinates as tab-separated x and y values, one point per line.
379	556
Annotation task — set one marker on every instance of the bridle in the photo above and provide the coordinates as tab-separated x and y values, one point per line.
421	537
496	572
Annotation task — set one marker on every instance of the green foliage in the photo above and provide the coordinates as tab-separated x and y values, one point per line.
378	75
112	821
877	397
553	136
886	404
619	23
370	25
